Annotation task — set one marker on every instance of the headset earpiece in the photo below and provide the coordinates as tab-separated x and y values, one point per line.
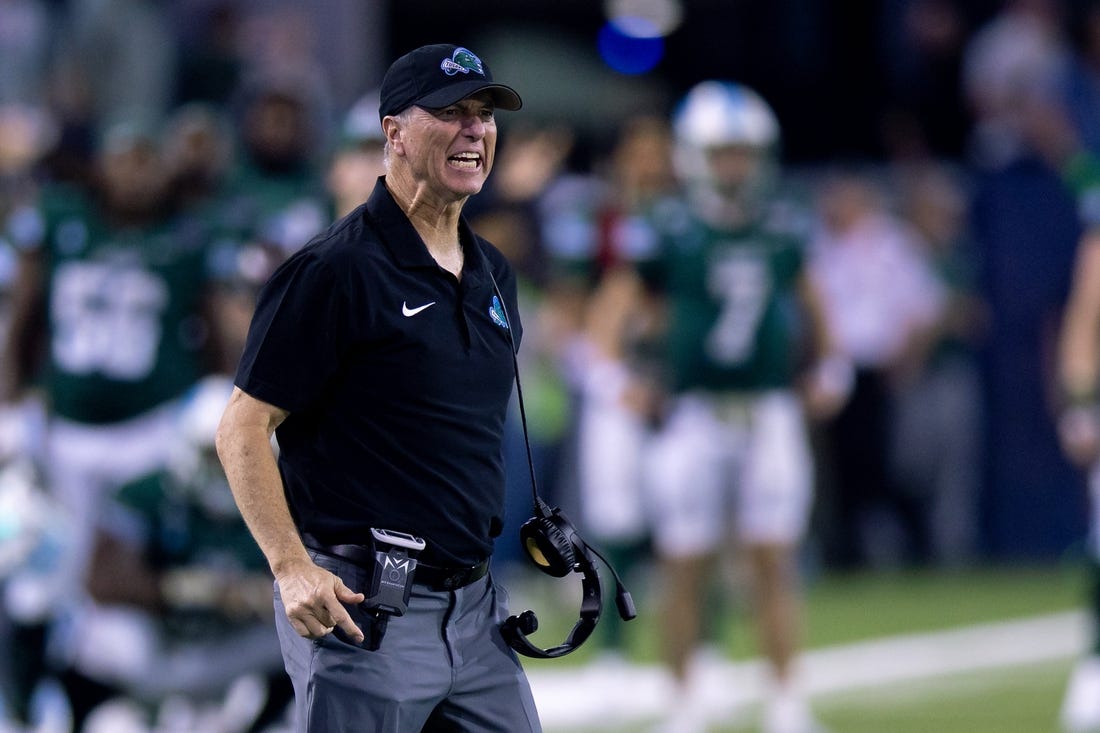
548	542
556	548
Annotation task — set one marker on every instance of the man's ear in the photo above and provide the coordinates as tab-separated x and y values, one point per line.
394	133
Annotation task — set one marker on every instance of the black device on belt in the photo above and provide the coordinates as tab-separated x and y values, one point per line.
433	577
391	559
392	571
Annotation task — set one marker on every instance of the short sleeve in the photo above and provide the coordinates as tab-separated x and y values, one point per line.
297	336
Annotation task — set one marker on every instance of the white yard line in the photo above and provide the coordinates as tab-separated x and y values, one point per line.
607	695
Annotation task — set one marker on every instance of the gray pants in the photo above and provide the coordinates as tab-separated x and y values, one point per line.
443	666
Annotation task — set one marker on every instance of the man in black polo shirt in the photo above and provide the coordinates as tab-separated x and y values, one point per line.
380	356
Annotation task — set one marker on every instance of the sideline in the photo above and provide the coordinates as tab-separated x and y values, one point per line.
615	693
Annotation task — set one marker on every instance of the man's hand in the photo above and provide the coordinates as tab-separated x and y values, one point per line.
826	388
313	598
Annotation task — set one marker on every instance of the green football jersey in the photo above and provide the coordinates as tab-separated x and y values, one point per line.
125	327
283	210
189	522
193	534
733	316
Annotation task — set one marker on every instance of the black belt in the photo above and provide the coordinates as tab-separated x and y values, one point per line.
434	577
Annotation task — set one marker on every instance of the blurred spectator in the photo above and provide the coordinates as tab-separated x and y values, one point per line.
280	41
274	200
1082	79
359	157
212	62
69	159
124	53
1025	229
884	299
923	43
610	375
935	445
110	324
198	151
529	166
732	458
198	147
1016	56
269	202
25	38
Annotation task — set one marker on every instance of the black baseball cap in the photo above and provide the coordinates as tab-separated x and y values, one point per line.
437	76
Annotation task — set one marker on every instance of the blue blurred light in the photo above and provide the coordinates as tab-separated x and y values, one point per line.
629	54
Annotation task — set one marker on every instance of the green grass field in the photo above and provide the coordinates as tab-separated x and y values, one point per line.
861	606
1015	700
845	609
1021	700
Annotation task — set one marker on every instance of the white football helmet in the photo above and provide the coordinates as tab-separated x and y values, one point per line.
361	123
202	410
717	115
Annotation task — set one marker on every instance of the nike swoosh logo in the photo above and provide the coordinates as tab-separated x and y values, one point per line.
409	312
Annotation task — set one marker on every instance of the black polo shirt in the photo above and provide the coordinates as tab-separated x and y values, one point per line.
397	377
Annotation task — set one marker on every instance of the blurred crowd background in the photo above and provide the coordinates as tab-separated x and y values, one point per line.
955	129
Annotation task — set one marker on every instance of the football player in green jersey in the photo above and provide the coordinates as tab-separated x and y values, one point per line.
110	325
732	460
274	198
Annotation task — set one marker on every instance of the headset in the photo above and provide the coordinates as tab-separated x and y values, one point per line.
555	547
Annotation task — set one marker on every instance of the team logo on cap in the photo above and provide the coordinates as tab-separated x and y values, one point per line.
462	61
